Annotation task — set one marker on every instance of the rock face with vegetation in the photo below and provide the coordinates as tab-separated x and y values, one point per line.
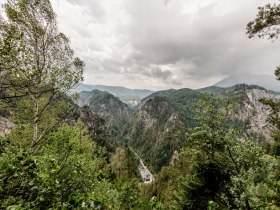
115	113
250	114
97	128
255	113
156	128
153	131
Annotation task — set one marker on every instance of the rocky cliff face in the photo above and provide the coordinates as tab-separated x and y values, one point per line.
5	126
255	114
250	113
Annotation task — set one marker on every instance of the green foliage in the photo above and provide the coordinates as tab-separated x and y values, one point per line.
66	165
262	25
224	170
32	51
275	120
28	182
124	164
218	169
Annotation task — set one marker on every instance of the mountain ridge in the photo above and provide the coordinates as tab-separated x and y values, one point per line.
131	97
161	119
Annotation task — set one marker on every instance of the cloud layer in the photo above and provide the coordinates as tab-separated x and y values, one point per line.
160	44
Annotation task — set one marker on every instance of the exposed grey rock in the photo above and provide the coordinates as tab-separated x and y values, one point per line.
256	113
5	126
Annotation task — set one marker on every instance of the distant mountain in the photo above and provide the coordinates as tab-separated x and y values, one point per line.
266	81
132	97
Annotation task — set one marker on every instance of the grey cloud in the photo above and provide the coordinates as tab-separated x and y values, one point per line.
176	82
175	47
159	73
206	42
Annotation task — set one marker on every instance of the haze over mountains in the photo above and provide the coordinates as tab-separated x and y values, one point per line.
132	97
269	82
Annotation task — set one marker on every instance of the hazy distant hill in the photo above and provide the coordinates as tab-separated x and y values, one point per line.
266	81
132	97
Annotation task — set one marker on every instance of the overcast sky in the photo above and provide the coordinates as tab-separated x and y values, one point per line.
161	44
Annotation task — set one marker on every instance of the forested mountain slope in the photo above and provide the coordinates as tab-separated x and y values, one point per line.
153	131
115	113
183	101
156	128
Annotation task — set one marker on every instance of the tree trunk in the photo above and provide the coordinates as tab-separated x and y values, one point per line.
35	125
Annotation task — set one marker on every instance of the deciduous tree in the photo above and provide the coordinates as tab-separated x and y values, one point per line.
36	59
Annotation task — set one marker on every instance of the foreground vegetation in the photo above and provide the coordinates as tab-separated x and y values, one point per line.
52	160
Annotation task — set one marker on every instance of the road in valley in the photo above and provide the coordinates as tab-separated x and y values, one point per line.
146	176
145	173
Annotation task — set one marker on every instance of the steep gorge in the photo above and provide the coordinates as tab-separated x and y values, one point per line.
156	128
